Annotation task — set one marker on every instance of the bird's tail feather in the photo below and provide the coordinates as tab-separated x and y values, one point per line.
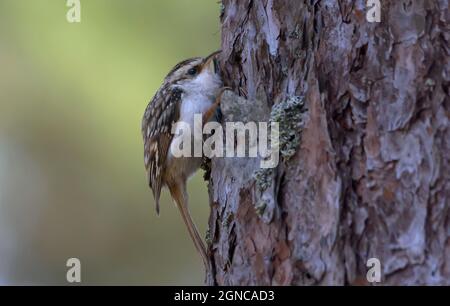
180	198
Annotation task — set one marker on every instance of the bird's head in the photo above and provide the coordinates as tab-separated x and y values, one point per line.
199	75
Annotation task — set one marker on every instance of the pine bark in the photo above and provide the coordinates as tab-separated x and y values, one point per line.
370	176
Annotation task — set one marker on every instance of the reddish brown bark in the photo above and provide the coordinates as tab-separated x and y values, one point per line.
370	177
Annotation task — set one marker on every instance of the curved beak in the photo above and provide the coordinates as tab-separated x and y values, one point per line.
209	59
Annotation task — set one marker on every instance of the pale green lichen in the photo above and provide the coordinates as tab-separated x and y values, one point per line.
295	34
289	115
260	207
227	221
430	82
208	237
263	178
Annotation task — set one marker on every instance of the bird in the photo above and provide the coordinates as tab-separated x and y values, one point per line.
192	87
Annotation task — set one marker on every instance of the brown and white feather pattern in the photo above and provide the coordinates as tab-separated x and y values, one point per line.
159	116
166	108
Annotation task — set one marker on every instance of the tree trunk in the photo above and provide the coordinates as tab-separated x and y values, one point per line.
369	176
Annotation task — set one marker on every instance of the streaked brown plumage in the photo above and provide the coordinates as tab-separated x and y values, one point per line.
159	116
190	87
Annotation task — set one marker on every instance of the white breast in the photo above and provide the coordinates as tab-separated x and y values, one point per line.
194	104
197	97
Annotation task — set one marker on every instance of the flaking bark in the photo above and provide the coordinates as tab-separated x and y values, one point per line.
370	175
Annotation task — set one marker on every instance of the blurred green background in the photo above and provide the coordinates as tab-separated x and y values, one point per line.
72	179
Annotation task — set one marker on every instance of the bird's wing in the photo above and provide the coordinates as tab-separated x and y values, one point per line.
159	116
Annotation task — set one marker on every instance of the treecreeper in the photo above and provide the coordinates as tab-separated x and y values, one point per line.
192	87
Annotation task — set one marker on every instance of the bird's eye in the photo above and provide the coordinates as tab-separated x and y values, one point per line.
192	71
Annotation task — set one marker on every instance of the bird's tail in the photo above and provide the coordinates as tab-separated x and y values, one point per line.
180	197
156	196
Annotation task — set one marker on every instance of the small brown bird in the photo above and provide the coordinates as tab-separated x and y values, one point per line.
191	87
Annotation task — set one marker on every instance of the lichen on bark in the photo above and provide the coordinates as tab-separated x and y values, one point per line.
371	174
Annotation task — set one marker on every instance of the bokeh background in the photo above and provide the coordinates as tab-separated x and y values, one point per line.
72	180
